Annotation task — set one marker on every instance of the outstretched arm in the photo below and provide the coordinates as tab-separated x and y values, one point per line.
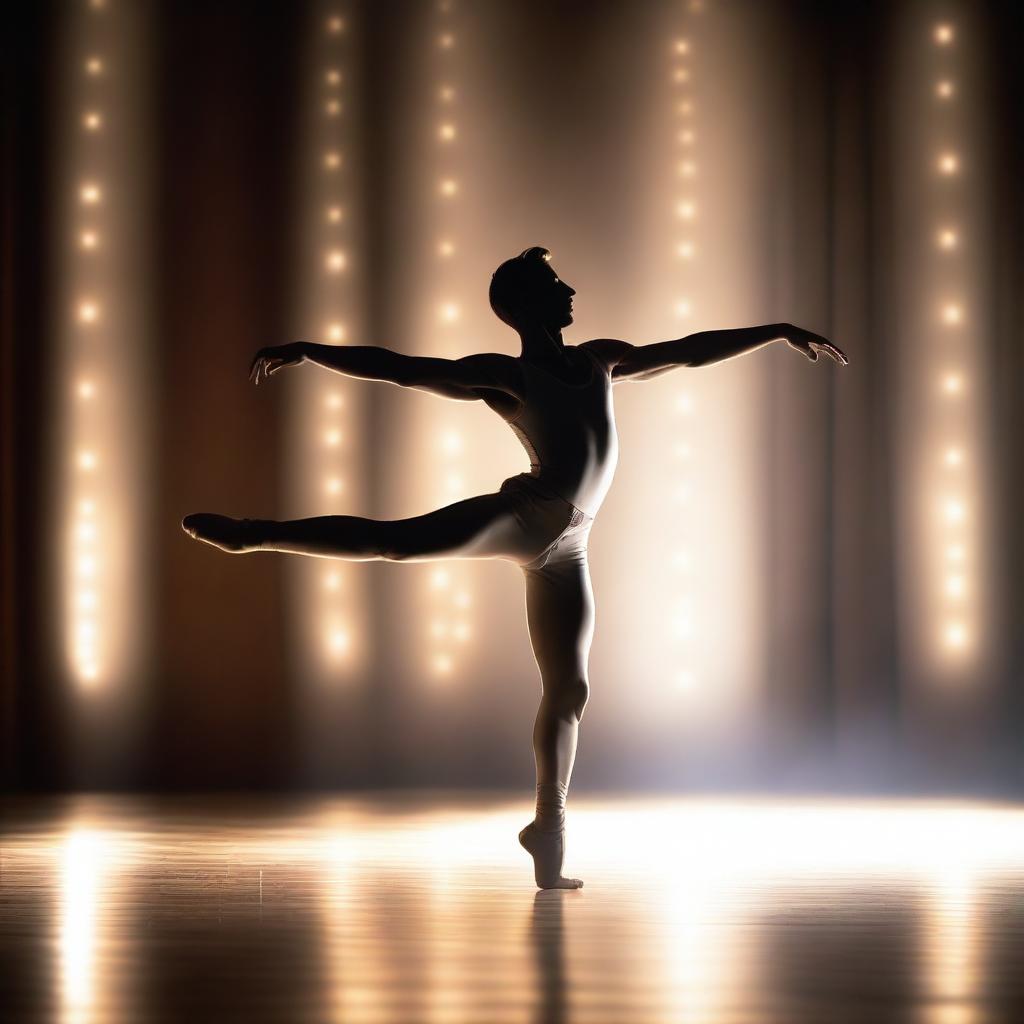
463	379
641	362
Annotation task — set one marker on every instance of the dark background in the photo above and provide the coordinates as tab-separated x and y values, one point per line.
225	79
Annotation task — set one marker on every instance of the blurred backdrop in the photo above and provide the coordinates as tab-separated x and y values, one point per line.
806	578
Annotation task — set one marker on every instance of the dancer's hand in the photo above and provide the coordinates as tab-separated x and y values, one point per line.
269	360
812	345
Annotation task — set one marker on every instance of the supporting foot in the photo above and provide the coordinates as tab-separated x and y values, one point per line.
236	536
547	850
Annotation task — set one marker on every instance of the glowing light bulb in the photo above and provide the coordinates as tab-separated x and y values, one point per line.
446	132
683	308
440	578
955	635
88	312
88	240
955	511
332	160
338	641
948	164
449	312
332	438
682	47
334	214
446	40
944	89
94	66
335	25
86	389
333	400
92	121
947	239
90	673
332	108
333	77
335	332
451	442
952	384
90	194
952	314
448	187
445	248
87	461
686	209
332	581
333	485
685	680
335	261
943	34
953	457
955	586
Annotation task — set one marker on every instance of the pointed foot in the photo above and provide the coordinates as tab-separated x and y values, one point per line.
235	536
547	850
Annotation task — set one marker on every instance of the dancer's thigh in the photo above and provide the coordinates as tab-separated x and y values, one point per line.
487	526
560	613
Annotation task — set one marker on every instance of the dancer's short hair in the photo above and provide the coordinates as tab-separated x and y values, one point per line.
512	281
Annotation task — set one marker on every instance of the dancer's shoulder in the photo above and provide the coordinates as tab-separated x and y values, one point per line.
608	351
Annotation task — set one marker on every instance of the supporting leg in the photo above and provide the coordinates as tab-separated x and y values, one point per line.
560	611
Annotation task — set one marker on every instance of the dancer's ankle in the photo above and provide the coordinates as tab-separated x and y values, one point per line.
550	815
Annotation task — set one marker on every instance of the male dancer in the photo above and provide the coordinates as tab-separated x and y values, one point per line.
558	401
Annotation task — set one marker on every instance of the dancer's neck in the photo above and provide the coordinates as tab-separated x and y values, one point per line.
542	345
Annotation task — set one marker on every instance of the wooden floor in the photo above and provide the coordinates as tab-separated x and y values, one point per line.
422	908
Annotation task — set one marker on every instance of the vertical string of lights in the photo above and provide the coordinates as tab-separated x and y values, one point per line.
102	343
88	595
325	404
951	470
449	596
681	72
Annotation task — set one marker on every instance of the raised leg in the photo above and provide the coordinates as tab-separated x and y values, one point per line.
560	612
480	527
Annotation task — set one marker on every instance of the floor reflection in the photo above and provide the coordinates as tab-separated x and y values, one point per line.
422	909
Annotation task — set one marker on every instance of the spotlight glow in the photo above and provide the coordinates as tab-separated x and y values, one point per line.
90	194
947	239
89	240
448	187
944	89
948	164
943	34
92	121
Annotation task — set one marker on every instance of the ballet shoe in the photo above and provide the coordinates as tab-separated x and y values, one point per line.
235	536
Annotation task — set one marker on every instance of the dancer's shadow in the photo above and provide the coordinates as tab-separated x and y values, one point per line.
547	939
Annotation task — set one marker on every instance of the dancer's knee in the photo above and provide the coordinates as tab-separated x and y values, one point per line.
570	698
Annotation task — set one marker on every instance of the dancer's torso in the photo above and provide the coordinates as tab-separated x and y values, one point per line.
568	429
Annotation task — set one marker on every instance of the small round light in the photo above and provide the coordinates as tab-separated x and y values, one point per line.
446	131
947	239
448	187
90	194
948	164
943	34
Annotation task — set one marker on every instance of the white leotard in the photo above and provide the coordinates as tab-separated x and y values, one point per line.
568	430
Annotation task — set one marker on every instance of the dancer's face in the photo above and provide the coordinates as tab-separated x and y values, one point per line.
551	299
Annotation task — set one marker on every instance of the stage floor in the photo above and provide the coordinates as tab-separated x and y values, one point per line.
422	908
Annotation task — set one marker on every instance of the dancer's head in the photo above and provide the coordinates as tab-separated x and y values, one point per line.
527	293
